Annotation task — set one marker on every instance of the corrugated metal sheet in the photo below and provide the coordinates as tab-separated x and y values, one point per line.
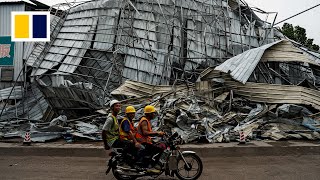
5	17
106	30
16	93
73	95
314	56
33	107
278	94
144	41
140	28
147	66
266	93
285	51
200	44
69	37
138	89
70	63
241	66
5	30
251	37
101	4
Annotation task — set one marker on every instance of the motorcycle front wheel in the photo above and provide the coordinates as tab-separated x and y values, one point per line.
193	170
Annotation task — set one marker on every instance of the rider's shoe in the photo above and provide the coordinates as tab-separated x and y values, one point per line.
153	170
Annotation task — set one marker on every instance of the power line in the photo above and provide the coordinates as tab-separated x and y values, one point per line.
297	14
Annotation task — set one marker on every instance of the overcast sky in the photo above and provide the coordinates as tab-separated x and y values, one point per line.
285	8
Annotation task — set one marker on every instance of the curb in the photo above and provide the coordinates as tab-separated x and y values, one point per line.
202	150
52	151
256	151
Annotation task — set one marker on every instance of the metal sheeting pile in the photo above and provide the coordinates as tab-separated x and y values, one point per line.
59	127
262	121
196	119
188	112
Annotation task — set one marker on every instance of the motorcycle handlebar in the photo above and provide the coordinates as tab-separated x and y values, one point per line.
173	136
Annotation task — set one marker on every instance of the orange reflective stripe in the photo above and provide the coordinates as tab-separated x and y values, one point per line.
122	133
140	136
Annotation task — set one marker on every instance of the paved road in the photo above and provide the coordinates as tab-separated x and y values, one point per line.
255	168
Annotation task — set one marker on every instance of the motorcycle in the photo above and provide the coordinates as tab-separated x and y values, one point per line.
186	165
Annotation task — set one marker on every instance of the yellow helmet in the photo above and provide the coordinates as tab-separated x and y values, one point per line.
130	109
149	109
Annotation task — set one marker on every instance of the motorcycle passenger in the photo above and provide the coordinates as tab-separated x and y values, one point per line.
144	132
110	130
127	130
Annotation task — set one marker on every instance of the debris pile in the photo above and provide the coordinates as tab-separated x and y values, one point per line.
184	109
211	68
223	118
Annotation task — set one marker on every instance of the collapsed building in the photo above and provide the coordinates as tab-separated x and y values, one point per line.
151	51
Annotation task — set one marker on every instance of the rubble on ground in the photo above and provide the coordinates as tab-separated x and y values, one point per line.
187	112
211	69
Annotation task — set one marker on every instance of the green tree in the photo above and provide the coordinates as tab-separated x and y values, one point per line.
298	34
309	43
315	47
288	31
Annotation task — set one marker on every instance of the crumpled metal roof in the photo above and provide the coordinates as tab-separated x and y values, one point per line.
242	65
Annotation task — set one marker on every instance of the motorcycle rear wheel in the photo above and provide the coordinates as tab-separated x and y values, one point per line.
191	159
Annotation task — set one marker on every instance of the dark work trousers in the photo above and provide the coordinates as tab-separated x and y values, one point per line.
150	149
127	146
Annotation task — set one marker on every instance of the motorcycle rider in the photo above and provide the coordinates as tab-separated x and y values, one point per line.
127	130
110	130
144	133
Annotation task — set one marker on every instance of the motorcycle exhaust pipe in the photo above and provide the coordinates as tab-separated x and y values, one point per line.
136	173
126	169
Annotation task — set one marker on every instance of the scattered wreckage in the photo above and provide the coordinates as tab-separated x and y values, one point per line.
186	110
211	68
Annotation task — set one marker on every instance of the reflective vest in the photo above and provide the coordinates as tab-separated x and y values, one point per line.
140	137
113	133
123	134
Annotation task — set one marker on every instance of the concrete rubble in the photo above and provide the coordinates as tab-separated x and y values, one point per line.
211	69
